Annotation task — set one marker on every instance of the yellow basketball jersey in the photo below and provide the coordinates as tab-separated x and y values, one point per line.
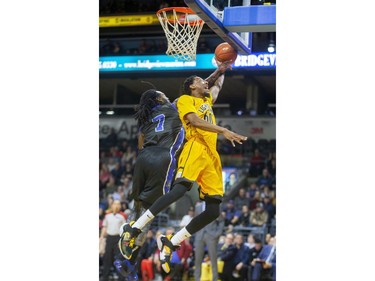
203	108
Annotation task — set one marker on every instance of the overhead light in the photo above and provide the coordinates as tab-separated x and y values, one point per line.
100	112
110	112
271	47
272	42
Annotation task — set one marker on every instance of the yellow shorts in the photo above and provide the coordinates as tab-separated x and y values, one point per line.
198	163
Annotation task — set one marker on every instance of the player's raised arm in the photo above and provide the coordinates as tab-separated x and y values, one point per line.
216	79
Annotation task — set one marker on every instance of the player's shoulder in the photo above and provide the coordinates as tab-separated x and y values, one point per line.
184	98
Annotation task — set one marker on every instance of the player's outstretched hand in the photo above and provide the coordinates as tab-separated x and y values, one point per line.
233	137
223	66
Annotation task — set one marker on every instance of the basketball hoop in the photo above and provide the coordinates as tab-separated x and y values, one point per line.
182	28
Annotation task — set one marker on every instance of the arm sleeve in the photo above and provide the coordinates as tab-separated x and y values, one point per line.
185	105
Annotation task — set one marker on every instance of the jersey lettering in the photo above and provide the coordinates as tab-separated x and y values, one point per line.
160	119
208	117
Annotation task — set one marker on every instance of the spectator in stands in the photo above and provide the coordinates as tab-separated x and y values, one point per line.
115	152
119	194
110	231
147	251
163	4
241	259
240	199
129	156
104	176
231	182
126	185
271	164
117	173
265	262
256	163
244	219
224	148
265	179
143	47
227	253
111	139
265	191
267	239
106	49
251	190
203	46
270	208
111	186
187	218
106	203
124	146
161	46
259	216
124	206
253	255
111	164
230	214
128	170
102	156
208	237
250	241
256	199
117	49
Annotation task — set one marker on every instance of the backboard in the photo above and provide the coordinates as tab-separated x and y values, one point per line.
235	21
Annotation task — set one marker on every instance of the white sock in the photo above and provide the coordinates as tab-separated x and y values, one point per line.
143	220
180	236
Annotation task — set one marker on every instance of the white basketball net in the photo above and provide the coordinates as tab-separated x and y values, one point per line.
182	34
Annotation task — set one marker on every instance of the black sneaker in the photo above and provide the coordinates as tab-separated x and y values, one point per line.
166	250
126	242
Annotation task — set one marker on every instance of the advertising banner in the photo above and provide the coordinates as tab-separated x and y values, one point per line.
256	128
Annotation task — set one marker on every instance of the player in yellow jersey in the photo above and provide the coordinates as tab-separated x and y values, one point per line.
199	162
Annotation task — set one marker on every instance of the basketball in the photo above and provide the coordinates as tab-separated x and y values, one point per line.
225	52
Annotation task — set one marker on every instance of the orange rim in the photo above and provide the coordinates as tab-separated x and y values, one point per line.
182	10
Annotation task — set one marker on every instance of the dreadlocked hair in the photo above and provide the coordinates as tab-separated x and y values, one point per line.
186	86
146	104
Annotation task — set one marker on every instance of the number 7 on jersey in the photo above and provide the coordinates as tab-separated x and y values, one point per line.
160	119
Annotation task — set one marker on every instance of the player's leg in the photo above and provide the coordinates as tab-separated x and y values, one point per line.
127	247
160	167
190	164
211	191
208	176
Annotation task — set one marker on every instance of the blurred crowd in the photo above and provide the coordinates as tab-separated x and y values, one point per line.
116	7
244	235
112	47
